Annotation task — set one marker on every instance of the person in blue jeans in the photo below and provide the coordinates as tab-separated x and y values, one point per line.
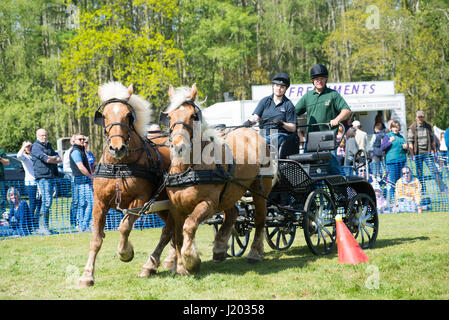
82	180
24	155
395	147
45	166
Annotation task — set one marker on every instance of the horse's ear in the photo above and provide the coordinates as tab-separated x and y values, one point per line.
171	91
193	92
130	90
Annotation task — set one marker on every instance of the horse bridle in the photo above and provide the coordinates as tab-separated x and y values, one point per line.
164	119
100	120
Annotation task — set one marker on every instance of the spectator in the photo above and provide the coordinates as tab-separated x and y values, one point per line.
90	155
66	156
4	161
446	138
68	171
24	155
408	192
45	165
379	119
351	147
395	147
20	217
360	135
82	177
341	146
378	154
380	199
422	147
153	131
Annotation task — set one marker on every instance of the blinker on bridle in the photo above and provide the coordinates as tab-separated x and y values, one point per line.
164	119
99	119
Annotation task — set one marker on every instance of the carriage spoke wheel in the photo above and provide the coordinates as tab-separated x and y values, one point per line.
362	220
279	235
319	222
239	238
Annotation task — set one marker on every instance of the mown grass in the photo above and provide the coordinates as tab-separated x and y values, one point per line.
410	261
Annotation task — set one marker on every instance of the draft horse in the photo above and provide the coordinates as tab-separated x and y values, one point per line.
197	189
128	174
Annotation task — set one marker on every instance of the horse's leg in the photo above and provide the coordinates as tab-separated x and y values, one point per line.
99	221
125	249
150	267
171	258
260	217
178	221
222	236
190	255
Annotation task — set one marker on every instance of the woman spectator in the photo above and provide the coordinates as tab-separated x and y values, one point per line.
24	155
408	192
19	218
395	147
90	155
351	147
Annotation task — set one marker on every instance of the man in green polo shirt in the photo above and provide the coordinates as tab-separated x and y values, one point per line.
323	105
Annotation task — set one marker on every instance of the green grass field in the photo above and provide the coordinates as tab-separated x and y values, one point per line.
410	260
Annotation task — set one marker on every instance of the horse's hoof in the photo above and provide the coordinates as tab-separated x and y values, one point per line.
85	283
145	273
219	257
126	256
167	264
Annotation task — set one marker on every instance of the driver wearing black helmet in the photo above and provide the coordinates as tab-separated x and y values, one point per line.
275	112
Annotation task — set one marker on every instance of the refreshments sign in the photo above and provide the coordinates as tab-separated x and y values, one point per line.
346	89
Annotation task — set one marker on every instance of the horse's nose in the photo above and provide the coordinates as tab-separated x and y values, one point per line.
117	152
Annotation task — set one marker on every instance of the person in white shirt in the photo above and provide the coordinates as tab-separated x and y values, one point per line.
31	189
360	135
66	157
68	170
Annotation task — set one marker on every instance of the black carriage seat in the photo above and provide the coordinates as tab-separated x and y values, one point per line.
319	147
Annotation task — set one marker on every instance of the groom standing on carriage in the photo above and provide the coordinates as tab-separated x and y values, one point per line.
275	112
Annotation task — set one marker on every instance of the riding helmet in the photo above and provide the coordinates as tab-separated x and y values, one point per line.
318	70
281	78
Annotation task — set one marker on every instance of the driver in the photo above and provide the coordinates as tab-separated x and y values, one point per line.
323	105
276	112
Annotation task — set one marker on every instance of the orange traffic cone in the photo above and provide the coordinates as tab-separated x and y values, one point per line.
349	250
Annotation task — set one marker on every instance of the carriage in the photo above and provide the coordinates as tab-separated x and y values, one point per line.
306	196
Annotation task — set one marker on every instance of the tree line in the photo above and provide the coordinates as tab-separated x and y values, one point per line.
54	53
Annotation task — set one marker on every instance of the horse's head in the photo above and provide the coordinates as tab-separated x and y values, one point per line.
117	119
184	117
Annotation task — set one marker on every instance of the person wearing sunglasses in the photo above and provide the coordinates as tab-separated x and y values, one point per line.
82	176
408	192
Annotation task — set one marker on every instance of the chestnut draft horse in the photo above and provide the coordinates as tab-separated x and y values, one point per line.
193	198
128	175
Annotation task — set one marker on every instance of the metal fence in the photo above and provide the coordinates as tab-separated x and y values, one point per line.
20	207
425	190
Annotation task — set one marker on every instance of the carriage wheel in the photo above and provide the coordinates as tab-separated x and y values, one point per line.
238	240
362	220
319	222
279	235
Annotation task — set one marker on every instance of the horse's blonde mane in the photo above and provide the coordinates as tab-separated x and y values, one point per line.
142	107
